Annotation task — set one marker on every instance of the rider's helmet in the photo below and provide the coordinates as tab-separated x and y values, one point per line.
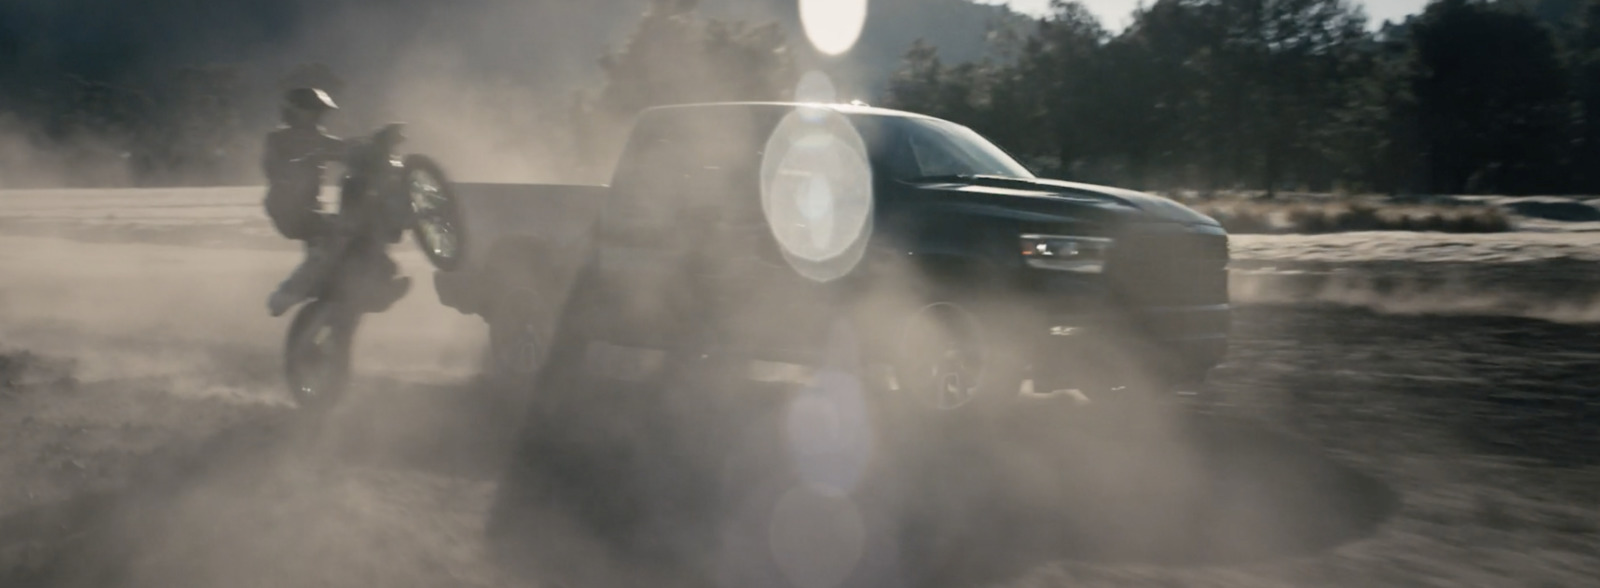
309	99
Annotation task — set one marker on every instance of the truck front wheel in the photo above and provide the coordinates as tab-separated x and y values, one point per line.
946	356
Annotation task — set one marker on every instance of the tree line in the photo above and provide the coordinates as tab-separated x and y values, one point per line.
1470	96
194	128
167	91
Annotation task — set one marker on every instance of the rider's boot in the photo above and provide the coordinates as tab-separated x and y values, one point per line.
298	285
398	288
392	291
281	301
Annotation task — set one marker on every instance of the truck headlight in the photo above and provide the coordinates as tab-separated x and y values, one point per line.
1063	253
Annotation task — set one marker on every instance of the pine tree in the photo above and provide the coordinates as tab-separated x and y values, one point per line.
1492	98
675	57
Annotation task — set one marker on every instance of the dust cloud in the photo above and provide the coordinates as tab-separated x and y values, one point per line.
1486	289
429	472
245	484
247	489
794	485
692	479
27	163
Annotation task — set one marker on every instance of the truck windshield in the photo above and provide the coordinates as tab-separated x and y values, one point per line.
915	149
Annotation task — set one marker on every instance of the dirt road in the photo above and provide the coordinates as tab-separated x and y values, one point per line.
147	442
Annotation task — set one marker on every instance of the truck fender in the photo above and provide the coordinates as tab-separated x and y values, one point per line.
935	268
521	262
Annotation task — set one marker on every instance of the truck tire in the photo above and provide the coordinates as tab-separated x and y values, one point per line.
946	359
518	319
520	295
580	478
552	451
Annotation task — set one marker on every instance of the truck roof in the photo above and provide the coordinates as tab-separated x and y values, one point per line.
841	108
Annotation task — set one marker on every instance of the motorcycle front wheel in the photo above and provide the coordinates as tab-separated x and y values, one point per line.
437	222
317	354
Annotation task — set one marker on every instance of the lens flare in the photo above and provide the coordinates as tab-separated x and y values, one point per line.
816	87
830	434
833	26
816	192
816	538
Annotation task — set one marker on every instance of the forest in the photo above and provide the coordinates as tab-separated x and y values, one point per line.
1470	96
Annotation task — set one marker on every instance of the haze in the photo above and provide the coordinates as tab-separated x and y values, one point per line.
1407	287
1114	13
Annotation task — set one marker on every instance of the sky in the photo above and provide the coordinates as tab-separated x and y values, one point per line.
1114	14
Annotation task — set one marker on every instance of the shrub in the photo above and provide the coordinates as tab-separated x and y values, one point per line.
1311	218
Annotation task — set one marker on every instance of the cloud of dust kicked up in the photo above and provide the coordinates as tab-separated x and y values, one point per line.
1550	290
816	486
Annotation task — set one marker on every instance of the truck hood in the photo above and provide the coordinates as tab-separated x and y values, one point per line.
1042	197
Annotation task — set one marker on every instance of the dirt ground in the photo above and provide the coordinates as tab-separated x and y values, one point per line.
1399	410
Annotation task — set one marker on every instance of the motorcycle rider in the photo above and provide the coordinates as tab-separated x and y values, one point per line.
294	161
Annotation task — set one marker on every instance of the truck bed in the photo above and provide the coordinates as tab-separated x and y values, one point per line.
516	228
558	213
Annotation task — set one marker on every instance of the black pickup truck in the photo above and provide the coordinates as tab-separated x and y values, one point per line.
743	234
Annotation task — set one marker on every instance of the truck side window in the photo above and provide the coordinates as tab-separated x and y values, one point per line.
934	157
922	149
890	148
913	151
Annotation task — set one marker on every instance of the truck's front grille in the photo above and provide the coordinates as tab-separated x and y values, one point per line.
1169	268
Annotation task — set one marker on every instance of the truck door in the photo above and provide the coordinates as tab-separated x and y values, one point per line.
737	269
640	249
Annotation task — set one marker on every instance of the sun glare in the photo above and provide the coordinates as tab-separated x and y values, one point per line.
816	192
833	26
815	86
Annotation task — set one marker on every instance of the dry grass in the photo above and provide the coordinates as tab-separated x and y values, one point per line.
1309	218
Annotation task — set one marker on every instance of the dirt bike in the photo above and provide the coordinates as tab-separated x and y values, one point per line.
382	194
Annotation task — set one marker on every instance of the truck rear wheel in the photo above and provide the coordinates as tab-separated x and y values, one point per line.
517	331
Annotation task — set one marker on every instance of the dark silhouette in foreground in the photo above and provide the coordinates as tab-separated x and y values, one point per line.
721	495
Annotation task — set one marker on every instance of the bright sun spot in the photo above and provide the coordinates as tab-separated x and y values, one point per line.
816	192
815	87
833	25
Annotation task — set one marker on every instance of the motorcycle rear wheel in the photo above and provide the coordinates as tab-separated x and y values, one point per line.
437	222
317	354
